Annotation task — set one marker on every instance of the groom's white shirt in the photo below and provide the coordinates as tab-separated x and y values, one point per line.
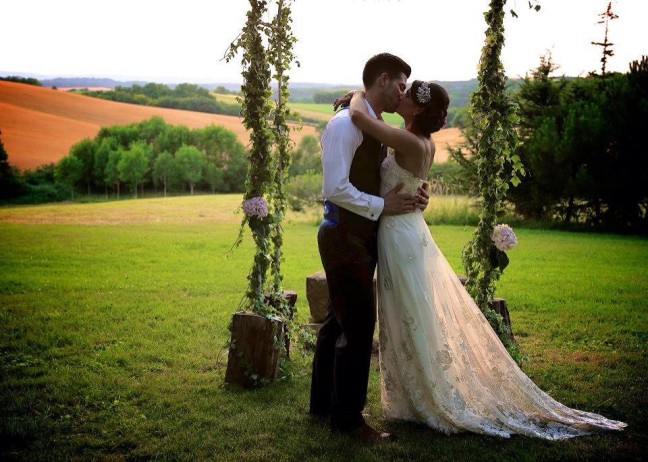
339	142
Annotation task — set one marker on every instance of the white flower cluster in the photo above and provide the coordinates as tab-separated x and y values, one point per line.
423	93
503	237
256	207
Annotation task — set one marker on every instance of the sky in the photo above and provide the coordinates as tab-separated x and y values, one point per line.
185	40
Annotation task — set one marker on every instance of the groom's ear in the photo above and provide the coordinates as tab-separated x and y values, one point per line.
383	80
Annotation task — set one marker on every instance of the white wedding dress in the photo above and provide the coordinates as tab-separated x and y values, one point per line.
441	363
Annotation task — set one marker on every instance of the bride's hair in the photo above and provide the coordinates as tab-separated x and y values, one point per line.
434	100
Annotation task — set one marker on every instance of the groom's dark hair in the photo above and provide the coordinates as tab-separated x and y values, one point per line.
384	62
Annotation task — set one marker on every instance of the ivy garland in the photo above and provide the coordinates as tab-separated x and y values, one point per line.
495	118
280	55
266	173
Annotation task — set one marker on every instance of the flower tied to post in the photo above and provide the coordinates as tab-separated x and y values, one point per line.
256	207
503	239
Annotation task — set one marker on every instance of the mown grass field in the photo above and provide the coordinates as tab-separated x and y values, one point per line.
114	323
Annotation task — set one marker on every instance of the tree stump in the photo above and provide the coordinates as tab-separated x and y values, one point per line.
254	349
498	305
318	297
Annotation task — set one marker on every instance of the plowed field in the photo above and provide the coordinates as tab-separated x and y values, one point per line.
39	125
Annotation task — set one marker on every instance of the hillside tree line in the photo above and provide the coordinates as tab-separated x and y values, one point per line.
582	148
185	96
150	155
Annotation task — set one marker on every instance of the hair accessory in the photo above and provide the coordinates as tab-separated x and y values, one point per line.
423	93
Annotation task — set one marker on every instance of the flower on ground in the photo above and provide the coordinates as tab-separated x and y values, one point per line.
256	207
503	237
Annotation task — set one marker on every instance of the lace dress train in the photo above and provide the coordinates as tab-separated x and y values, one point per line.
441	363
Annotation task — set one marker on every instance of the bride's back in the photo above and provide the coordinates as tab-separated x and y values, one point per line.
418	162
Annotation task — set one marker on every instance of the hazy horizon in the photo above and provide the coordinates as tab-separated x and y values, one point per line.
186	41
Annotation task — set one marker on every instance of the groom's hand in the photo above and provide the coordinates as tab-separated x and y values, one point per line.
396	203
423	197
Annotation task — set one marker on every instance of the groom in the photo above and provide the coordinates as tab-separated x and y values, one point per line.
347	241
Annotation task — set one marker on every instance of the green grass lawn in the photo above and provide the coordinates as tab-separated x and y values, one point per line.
114	323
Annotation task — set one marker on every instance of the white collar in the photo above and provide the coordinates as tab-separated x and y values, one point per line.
370	109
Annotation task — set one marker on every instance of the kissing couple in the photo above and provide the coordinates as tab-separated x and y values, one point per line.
441	363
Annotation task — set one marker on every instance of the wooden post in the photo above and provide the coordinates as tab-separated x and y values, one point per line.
498	305
254	349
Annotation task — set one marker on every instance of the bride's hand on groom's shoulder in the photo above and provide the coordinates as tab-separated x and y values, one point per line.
397	203
423	197
343	101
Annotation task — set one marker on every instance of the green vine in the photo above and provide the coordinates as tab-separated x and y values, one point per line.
255	110
266	45
495	118
280	56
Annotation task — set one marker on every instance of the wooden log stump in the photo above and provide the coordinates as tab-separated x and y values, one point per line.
318	296
254	349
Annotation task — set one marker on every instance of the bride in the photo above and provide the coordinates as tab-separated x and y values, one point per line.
440	361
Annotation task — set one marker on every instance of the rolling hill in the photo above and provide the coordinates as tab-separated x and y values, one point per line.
39	125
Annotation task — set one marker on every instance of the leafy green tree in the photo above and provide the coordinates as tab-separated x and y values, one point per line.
327	97
218	143
111	171
223	150
213	176
84	150
583	150
185	90
102	154
133	165
304	190
307	156
124	134
172	138
9	179
25	80
223	91
191	162
149	130
69	171
155	90
164	168
234	173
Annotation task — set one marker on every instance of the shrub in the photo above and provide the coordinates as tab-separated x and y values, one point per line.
305	190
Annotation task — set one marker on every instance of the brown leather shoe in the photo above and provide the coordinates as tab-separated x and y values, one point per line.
366	434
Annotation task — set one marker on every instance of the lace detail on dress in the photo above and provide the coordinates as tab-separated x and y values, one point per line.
391	174
440	361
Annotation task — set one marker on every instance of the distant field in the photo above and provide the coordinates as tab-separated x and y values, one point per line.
444	138
39	125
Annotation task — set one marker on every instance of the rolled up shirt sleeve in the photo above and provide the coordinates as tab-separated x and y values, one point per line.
339	142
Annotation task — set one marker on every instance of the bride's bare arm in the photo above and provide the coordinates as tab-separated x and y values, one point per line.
400	140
